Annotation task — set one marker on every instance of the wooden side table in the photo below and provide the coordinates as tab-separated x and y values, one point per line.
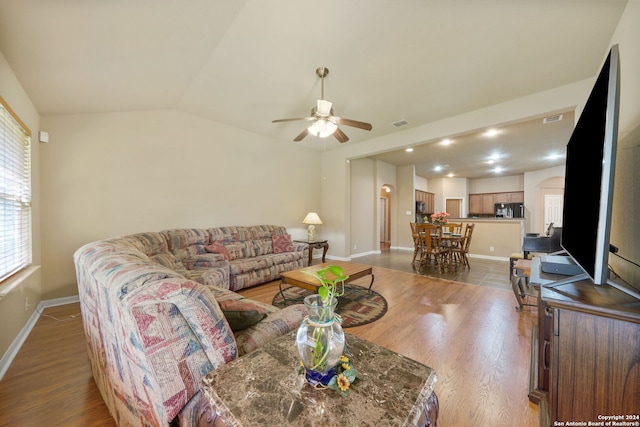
316	244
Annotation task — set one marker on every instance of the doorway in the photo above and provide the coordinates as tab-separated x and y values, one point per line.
384	217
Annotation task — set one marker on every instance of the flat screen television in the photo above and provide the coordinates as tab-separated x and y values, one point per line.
589	177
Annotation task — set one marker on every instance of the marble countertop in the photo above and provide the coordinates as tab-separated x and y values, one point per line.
264	388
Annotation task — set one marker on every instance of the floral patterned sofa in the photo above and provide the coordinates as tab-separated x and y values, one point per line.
159	313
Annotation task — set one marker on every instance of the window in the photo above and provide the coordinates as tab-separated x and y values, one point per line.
15	193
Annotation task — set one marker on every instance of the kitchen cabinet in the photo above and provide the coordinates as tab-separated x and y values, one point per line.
483	203
428	200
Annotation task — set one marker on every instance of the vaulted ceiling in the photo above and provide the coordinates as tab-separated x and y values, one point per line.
245	63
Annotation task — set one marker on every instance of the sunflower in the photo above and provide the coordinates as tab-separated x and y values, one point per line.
343	382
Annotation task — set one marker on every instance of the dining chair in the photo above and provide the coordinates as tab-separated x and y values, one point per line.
430	244
461	252
416	240
452	227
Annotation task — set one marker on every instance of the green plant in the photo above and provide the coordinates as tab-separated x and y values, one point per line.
329	287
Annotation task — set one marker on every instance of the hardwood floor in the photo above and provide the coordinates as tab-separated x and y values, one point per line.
470	334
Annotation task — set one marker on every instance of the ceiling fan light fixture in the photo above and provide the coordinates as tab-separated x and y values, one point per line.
322	128
323	108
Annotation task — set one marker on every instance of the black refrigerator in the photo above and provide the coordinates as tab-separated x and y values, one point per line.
509	210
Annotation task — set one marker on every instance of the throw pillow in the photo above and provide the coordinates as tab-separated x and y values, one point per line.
282	243
217	247
241	314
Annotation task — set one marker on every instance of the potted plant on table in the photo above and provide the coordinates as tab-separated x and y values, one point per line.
320	338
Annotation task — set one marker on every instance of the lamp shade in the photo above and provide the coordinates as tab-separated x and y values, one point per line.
312	218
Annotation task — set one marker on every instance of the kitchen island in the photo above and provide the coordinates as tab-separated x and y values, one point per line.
495	237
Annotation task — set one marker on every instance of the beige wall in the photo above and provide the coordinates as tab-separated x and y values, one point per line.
626	201
121	173
497	184
363	193
496	237
13	315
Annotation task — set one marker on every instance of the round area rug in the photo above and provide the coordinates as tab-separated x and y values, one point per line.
358	306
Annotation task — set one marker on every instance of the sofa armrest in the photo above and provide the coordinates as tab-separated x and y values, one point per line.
274	325
300	247
169	316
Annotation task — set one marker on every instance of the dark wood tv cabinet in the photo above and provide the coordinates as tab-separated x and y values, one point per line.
585	354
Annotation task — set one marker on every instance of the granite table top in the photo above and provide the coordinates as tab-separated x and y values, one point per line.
264	388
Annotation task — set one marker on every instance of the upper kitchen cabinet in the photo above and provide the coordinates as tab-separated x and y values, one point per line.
425	200
483	203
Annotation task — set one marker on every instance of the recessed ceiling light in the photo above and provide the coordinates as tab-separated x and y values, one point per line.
408	150
494	157
555	156
451	175
491	132
445	141
498	169
438	168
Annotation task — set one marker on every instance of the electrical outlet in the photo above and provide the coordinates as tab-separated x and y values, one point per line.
355	247
26	303
490	248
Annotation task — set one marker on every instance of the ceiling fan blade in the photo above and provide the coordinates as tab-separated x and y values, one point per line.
293	120
300	137
353	123
340	136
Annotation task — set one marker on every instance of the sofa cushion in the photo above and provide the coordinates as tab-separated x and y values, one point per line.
282	243
183	237
218	247
238	250
241	313
275	325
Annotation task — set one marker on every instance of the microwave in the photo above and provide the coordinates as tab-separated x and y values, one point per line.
419	207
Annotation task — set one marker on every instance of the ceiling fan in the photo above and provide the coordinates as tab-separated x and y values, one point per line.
324	122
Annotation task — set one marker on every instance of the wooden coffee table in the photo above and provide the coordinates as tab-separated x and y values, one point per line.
302	279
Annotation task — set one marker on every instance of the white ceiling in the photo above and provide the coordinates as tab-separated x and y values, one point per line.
245	63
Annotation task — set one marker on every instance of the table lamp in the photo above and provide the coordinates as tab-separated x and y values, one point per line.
311	219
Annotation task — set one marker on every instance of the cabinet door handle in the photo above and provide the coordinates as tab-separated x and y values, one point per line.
545	353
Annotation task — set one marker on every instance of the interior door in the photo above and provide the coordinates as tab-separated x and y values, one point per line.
553	205
454	207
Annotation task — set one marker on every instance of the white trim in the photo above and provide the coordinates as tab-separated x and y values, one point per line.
495	258
16	280
358	255
14	348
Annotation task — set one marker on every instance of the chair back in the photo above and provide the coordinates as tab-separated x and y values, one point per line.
414	233
429	235
466	239
452	227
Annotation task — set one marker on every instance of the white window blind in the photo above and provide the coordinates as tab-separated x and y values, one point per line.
15	193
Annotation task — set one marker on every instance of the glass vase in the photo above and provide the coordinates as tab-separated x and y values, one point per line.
320	340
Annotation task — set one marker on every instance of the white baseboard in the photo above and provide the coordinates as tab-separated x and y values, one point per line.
16	345
361	254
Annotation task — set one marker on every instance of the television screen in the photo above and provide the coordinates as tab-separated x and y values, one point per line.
590	167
